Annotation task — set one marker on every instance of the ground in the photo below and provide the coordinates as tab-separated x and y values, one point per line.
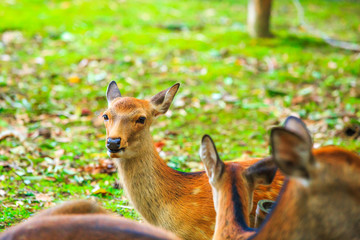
57	57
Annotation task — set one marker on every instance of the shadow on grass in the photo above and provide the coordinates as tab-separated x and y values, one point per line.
304	42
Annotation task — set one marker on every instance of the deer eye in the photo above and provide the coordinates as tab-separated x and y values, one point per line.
141	120
106	117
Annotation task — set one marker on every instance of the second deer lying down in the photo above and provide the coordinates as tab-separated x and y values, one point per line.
320	199
73	207
177	201
82	220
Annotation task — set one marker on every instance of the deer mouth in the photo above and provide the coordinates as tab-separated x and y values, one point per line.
116	151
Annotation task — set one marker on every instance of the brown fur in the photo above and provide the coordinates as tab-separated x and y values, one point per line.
78	220
322	204
74	207
328	209
225	218
179	202
83	227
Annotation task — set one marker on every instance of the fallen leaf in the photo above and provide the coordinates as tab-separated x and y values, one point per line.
45	132
85	112
43	197
104	166
74	79
12	133
12	37
159	145
100	191
2	193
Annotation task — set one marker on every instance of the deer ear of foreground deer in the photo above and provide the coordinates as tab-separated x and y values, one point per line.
177	201
320	199
82	220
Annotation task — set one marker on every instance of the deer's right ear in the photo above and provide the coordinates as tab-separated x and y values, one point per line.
162	101
112	92
261	172
291	153
214	167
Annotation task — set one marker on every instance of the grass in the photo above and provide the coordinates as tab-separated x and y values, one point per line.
57	57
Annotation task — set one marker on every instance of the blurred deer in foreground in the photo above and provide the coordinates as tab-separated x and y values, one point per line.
320	199
177	201
82	220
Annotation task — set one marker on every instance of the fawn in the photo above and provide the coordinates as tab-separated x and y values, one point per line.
233	186
177	201
82	220
319	200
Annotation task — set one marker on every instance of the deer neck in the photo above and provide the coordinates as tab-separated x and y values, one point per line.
288	219
232	218
147	180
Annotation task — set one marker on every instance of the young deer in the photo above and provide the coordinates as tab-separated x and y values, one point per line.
320	199
82	220
232	187
177	201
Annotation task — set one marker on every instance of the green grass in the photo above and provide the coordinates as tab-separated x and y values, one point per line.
233	87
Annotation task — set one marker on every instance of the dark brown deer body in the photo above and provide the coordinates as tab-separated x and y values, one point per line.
83	227
82	220
179	202
320	200
73	207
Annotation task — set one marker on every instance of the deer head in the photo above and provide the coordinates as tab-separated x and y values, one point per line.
327	180
127	120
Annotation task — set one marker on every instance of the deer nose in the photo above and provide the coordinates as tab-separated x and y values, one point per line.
113	144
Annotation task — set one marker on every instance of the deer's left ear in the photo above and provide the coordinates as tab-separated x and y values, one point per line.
112	92
214	167
162	101
262	172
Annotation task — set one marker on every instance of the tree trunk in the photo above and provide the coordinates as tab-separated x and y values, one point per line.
259	12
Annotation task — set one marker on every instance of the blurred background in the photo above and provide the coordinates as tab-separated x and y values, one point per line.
240	75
